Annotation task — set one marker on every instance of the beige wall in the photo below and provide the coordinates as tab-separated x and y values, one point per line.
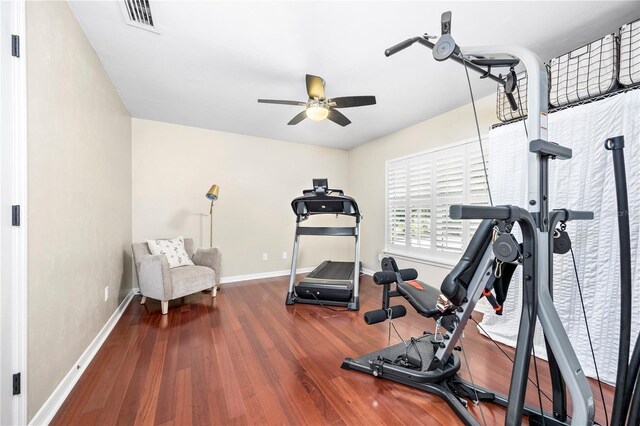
367	173
79	172
174	165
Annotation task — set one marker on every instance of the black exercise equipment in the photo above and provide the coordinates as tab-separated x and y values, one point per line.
331	283
430	362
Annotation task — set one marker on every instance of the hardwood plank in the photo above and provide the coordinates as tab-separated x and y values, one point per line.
131	402
184	398
200	388
146	414
166	405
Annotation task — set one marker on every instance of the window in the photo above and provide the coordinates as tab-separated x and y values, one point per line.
420	189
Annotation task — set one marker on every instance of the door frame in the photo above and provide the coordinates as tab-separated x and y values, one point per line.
13	191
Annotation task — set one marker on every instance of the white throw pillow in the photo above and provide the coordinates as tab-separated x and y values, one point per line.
173	249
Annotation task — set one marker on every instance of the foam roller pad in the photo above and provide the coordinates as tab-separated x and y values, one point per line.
388	277
380	315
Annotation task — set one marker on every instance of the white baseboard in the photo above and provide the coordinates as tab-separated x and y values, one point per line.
367	271
49	409
238	278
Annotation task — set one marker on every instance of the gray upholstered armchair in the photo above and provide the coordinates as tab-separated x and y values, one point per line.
159	282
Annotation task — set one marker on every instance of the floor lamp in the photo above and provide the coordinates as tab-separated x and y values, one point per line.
213	196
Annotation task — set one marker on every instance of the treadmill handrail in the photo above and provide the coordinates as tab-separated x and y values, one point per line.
338	231
349	208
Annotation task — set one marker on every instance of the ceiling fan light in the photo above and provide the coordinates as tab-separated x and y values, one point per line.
317	113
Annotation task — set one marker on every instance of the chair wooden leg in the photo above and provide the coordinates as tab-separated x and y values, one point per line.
214	291
165	307
144	299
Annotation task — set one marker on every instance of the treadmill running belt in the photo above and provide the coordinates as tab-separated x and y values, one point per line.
334	270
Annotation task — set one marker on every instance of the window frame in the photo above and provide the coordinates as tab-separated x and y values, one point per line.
430	256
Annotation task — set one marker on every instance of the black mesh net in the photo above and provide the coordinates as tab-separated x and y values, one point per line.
583	73
630	54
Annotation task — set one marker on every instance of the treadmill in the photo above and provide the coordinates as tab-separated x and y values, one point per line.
331	283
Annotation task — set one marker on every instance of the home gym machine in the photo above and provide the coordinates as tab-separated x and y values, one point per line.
331	283
430	362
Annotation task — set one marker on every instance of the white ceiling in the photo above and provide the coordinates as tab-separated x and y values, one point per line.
213	60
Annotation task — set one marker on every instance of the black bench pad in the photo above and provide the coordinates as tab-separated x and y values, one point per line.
422	297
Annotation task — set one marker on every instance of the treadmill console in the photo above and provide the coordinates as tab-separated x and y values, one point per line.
324	200
320	183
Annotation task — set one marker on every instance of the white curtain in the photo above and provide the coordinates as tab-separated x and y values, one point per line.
585	182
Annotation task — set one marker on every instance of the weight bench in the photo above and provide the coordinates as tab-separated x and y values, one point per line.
436	303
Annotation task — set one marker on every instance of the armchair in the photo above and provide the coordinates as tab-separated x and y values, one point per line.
159	282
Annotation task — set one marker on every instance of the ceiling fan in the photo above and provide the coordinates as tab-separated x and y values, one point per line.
318	107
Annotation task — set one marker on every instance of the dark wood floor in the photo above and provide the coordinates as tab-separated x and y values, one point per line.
246	358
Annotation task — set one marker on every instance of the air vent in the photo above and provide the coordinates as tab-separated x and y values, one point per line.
138	14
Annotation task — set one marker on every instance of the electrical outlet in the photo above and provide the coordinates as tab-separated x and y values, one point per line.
284	254
106	293
265	256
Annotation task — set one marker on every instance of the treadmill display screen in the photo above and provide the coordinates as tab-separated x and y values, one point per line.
320	183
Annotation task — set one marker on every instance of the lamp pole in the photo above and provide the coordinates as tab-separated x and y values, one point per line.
211	228
212	195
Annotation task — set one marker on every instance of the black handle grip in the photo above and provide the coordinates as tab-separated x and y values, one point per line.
615	143
388	277
458	211
579	215
400	46
512	101
380	315
497	308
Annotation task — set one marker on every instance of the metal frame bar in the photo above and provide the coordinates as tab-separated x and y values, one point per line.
355	303
575	104
294	264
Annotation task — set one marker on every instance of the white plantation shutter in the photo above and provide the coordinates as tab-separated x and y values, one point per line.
450	189
397	203
420	208
477	193
420	190
477	183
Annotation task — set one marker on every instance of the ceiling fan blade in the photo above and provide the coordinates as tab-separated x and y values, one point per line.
315	87
275	101
352	101
298	118
337	117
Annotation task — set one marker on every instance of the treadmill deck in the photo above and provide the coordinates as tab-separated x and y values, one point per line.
331	273
330	281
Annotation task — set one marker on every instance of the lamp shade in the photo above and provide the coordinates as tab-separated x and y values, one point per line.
213	192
